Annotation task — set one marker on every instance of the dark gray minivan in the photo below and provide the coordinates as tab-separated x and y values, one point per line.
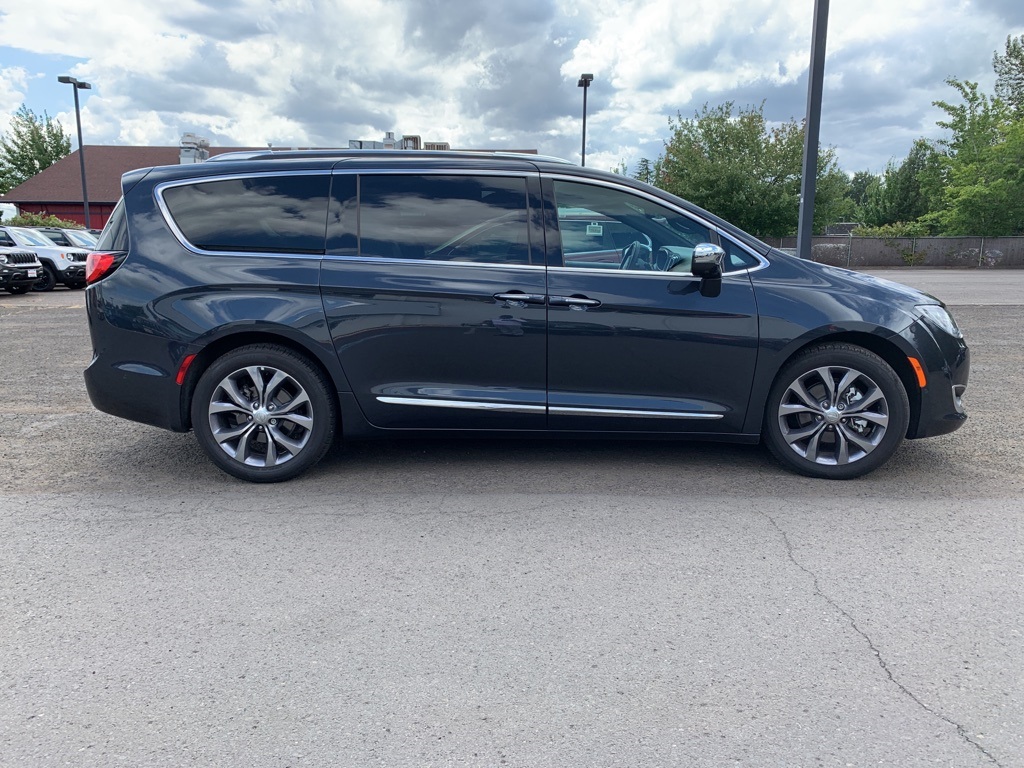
271	301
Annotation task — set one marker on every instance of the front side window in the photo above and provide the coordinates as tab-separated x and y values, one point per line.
605	228
480	219
262	214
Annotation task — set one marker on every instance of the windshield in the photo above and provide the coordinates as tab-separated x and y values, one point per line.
80	237
28	237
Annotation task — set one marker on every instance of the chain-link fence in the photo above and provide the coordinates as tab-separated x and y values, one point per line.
963	252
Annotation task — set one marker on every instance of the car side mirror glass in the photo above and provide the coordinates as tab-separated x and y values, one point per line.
708	264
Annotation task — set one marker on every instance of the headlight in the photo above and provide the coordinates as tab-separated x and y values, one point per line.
3	258
940	317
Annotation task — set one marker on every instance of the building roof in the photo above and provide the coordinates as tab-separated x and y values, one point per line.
104	165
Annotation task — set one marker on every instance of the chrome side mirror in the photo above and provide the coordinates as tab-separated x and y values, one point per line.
708	264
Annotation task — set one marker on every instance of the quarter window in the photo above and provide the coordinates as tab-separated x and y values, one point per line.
480	219
278	214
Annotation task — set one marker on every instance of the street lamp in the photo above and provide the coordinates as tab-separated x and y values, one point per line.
584	83
81	147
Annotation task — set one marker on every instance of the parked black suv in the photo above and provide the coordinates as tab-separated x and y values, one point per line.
269	300
19	269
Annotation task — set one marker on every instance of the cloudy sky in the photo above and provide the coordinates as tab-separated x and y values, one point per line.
490	73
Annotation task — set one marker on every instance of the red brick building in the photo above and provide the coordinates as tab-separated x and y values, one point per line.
58	189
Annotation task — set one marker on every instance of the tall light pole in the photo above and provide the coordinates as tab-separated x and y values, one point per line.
584	83
812	129
81	147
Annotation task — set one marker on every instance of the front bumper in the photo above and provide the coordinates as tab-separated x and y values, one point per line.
946	362
73	275
19	276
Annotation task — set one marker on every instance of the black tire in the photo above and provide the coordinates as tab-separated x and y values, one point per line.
838	430
269	430
17	289
47	281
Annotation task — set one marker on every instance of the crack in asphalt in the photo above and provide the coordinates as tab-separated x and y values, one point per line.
878	655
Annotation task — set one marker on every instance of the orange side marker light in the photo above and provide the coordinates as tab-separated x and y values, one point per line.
922	380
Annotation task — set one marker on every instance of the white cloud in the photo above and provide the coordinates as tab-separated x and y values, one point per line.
483	73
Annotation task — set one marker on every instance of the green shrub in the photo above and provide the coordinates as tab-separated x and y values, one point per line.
40	220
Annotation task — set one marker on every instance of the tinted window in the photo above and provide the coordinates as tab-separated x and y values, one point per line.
452	218
607	228
114	236
263	214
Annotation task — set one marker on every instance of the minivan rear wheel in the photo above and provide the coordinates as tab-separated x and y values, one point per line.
264	413
836	411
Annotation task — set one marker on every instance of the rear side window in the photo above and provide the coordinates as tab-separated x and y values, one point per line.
115	234
480	219
274	214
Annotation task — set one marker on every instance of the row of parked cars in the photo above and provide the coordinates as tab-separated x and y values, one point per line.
40	258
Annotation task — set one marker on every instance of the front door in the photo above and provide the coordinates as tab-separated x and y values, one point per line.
632	343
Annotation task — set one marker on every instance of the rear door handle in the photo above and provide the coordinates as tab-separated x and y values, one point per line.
520	299
574	302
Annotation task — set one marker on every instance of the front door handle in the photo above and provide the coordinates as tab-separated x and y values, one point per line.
518	299
574	302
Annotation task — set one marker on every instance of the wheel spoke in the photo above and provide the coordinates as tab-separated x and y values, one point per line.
271	460
830	385
226	434
299	400
293	446
220	406
792	409
880	419
275	381
813	443
798	389
256	376
231	389
870	398
843	454
864	444
811	430
306	422
847	381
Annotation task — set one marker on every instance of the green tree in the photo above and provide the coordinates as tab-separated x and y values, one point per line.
986	196
644	171
1009	68
859	185
977	187
32	144
740	168
900	194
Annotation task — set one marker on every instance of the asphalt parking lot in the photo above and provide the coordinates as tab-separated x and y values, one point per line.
527	603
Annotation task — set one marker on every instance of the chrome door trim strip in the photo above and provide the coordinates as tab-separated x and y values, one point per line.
568	411
477	405
470	405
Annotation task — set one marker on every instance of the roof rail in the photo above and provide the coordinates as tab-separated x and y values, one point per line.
345	154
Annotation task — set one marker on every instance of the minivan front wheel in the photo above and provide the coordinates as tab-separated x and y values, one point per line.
836	411
264	413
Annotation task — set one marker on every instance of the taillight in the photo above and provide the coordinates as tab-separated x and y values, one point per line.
99	264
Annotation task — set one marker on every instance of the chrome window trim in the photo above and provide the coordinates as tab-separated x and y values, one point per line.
762	261
518	173
477	405
435	262
158	195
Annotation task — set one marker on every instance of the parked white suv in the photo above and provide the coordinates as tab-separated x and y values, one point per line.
59	263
